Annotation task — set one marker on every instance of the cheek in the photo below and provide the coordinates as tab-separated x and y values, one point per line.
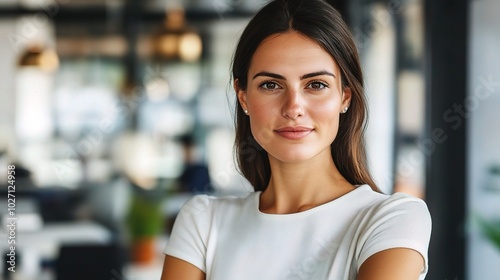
260	104
261	111
260	126
327	115
262	115
328	109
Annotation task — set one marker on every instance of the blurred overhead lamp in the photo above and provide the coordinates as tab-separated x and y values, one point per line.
176	40
45	59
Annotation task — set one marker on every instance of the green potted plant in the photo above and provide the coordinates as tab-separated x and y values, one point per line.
145	223
491	229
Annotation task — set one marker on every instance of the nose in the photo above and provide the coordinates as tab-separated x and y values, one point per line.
293	104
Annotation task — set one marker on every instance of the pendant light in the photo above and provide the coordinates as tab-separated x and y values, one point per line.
177	41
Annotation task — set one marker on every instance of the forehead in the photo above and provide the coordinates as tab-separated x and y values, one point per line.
291	53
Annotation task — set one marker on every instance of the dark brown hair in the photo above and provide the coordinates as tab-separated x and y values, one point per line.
323	24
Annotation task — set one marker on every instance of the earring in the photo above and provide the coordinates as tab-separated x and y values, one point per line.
345	110
246	111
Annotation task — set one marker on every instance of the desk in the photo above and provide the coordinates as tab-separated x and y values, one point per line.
144	272
44	244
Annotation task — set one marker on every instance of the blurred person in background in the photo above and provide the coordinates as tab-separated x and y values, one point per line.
195	177
316	212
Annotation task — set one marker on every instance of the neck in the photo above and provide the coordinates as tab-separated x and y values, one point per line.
296	187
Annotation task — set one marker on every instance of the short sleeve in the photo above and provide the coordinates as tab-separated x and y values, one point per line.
401	221
188	240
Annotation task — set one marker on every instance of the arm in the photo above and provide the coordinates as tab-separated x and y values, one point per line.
392	264
185	253
177	269
396	240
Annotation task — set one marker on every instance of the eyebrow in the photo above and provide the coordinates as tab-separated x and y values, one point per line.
305	76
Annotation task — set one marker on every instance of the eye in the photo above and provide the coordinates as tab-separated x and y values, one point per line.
270	86
317	85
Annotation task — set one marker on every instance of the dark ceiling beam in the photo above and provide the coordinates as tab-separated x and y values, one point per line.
101	13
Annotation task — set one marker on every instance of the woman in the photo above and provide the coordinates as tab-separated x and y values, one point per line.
316	212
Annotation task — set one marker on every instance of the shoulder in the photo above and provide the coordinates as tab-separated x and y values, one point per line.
398	210
402	204
394	221
379	203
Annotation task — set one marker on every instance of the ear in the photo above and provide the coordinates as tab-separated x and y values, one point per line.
346	97
242	95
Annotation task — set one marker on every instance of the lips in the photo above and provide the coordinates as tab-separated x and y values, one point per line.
293	133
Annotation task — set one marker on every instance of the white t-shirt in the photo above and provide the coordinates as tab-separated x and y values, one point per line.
229	238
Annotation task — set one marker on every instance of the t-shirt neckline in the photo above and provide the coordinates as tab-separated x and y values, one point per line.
320	207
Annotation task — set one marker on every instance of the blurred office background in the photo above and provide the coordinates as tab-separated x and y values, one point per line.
115	112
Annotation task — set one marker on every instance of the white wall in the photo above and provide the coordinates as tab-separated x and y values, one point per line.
7	69
483	104
8	60
378	64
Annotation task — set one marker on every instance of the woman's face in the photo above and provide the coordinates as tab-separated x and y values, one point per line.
294	97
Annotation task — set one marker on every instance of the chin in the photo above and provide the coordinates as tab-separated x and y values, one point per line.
293	156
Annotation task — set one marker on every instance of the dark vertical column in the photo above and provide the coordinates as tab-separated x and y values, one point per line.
132	26
446	84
